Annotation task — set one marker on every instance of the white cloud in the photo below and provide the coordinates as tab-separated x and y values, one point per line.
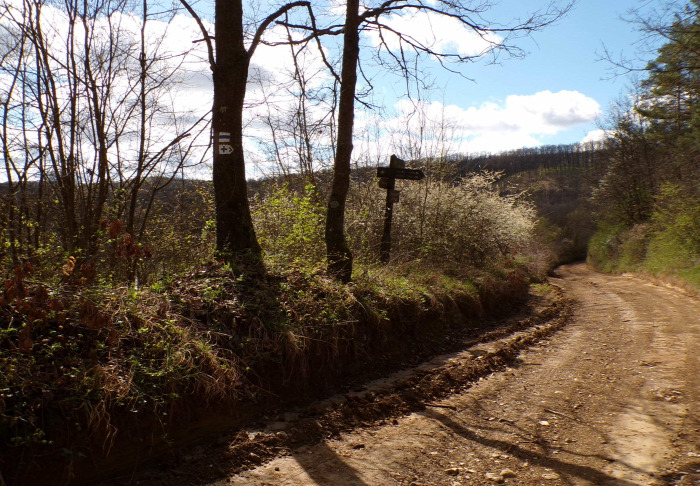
438	32
553	112
595	136
518	121
491	142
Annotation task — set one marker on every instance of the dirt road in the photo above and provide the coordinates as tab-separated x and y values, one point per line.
612	398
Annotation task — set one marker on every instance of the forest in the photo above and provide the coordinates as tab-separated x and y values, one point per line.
150	282
650	190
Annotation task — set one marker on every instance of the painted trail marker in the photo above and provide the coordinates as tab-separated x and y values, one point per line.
387	180
223	140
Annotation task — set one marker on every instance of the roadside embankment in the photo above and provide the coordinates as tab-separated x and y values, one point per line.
98	382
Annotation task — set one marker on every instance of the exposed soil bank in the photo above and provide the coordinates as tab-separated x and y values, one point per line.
611	399
373	346
376	402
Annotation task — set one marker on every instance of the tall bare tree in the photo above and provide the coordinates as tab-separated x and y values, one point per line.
83	114
299	114
229	59
468	15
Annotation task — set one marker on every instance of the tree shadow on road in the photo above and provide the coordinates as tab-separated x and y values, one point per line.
324	466
565	468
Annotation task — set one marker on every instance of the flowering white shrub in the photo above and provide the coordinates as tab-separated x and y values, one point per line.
465	222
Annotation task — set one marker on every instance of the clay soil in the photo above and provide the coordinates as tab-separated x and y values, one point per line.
602	389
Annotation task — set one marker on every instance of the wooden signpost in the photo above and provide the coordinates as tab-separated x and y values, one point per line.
387	180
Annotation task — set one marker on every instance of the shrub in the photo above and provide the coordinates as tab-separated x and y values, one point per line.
604	247
670	244
675	244
440	222
289	225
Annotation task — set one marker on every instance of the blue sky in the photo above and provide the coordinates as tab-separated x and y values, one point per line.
557	93
564	56
562	74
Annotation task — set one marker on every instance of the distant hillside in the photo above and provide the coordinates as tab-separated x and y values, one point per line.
559	180
534	160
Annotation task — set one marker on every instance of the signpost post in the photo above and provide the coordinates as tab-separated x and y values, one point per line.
387	180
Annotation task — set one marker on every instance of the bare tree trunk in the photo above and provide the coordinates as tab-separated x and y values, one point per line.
338	251
235	235
93	212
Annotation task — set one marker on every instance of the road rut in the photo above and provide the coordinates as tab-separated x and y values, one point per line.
611	399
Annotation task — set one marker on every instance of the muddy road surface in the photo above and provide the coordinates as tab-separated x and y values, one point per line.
612	398
606	395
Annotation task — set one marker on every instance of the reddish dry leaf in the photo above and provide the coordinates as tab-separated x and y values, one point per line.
56	304
115	228
25	341
41	296
88	270
19	280
113	336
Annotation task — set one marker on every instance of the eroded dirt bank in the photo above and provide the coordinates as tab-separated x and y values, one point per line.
611	398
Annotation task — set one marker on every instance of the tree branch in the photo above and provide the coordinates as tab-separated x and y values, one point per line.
271	18
207	37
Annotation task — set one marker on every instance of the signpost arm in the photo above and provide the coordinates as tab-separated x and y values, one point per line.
387	180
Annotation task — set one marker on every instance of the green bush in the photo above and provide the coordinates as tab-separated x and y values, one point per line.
675	244
289	225
669	244
604	247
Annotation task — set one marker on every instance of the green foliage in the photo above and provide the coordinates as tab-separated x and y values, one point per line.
692	276
290	226
180	232
675	244
617	248
634	247
603	247
541	289
625	193
672	88
650	196
669	244
81	352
